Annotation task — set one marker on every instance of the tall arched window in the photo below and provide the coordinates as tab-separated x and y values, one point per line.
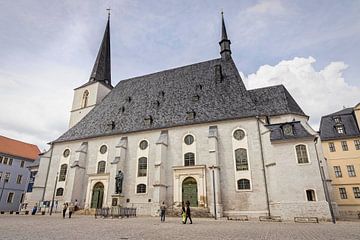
141	188
241	159
301	153
142	167
101	167
63	170
59	192
85	98
243	184
189	159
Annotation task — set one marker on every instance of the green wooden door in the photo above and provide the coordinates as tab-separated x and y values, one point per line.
189	191
97	196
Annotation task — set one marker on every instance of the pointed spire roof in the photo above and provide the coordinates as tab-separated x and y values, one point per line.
102	68
225	51
223	28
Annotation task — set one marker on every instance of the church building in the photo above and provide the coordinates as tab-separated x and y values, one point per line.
191	133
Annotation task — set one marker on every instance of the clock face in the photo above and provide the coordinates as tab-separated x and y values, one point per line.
239	134
143	144
288	130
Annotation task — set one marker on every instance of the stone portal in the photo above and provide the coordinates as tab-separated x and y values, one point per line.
190	191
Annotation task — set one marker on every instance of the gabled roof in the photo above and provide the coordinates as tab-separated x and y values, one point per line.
18	149
347	120
202	92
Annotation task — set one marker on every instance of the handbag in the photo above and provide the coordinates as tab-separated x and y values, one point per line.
183	216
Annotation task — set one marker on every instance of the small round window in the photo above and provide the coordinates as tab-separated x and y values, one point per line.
66	153
143	144
239	134
189	139
103	149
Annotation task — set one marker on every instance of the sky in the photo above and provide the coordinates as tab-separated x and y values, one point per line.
48	48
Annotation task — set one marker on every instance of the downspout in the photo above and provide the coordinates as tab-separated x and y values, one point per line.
47	174
322	175
263	165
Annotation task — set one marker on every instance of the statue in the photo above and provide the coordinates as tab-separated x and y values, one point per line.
119	180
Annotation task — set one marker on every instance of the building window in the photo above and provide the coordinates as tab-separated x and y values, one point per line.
310	194
356	191
10	161
337	171
342	192
239	134
63	170
10	197
288	130
1	173
241	159
59	192
22	197
301	154
189	139
243	184
189	159
141	188
143	145
142	167
101	167
351	170
1	159
18	179
22	163
340	129
7	177
5	160
85	98
332	147
357	144
337	119
344	146
66	153
103	149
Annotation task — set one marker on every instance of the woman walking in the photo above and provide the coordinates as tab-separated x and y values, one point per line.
64	209
183	213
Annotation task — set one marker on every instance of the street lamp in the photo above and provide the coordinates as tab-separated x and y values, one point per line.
53	197
214	190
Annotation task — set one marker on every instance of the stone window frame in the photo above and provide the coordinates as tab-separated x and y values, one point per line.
85	98
357	144
344	146
337	171
142	167
63	172
356	191
238	184
22	163
140	189
351	170
332	147
59	192
307	154
187	159
342	193
101	168
18	179
10	161
240	162
312	191
12	194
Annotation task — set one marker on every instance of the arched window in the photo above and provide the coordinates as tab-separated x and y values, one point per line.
63	170
59	192
241	159
301	154
85	98
101	167
243	184
310	195
141	188
142	167
189	159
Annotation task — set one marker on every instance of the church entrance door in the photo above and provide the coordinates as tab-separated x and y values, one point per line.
97	195
190	191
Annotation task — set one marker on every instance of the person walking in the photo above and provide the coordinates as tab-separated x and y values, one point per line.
76	205
162	212
65	206
188	212
183	212
71	209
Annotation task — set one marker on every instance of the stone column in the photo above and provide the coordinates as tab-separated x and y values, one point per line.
159	193
214	174
118	164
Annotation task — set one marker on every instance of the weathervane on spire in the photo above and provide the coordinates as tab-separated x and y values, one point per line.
108	9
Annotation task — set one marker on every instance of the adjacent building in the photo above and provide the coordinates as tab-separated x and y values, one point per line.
15	157
192	133
340	135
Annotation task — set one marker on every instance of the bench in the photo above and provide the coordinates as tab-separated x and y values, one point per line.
270	219
238	218
306	220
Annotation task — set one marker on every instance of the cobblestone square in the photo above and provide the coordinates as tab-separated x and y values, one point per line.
87	227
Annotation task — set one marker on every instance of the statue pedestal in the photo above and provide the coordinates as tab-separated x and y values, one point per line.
117	199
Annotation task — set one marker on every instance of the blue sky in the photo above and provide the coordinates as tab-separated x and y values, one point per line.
48	48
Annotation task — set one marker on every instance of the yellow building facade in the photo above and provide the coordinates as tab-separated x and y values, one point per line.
340	136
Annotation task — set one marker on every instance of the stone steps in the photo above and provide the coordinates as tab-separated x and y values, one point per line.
199	212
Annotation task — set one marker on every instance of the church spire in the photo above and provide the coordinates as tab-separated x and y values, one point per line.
102	68
225	51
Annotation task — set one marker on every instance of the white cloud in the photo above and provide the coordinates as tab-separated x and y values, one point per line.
317	92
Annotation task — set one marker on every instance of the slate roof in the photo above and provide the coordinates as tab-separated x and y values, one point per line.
18	149
172	97
277	132
348	120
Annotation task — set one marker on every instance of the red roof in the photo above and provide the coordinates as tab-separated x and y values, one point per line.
19	149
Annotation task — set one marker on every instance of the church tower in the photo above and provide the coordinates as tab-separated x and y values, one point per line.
87	96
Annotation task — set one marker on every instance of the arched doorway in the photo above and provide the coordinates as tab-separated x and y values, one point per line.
97	195
190	191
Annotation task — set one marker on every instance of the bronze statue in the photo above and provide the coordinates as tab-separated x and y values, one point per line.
119	180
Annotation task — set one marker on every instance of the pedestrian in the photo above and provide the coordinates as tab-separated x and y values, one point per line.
71	209
162	212
65	206
34	210
76	205
188	212
183	213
